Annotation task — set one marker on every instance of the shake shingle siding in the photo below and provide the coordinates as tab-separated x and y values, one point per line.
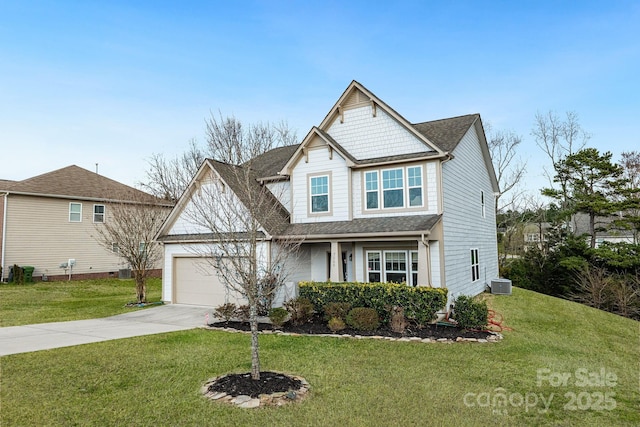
464	179
366	136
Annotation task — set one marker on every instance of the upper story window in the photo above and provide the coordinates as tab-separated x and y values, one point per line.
392	188
482	203
319	193
75	212
98	213
371	183
401	188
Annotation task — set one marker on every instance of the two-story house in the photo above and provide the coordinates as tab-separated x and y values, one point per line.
374	197
49	219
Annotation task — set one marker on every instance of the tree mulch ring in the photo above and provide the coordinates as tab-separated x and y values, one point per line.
436	332
272	388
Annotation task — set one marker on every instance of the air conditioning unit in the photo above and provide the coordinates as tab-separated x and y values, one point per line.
501	286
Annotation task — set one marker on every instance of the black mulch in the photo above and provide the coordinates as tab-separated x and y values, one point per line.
319	326
242	384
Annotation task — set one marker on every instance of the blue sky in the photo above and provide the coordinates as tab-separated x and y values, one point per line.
112	82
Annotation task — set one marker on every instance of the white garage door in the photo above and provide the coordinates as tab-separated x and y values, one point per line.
196	283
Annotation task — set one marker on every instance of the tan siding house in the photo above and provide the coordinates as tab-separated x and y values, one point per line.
49	219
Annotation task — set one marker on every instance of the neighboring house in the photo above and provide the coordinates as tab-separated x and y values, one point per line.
535	234
49	219
605	227
375	198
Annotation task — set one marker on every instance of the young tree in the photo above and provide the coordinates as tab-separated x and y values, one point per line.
240	216
131	222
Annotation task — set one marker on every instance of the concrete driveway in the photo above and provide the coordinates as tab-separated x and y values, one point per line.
155	320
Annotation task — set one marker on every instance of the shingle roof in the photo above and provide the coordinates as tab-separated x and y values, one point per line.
446	133
77	183
271	162
273	217
394	224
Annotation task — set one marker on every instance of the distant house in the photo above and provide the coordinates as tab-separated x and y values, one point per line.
605	229
49	219
535	234
375	198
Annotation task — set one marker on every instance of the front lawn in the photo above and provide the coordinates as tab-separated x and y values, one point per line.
43	302
155	380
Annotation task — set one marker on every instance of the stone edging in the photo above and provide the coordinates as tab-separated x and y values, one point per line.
494	337
248	402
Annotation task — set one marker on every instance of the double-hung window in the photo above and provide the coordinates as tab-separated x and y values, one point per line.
75	212
98	213
415	185
373	266
371	183
319	193
393	188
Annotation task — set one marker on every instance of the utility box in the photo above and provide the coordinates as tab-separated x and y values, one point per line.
501	286
124	273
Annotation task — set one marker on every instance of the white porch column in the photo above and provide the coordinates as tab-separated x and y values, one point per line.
336	273
424	267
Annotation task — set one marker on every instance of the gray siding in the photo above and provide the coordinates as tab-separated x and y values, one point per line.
464	178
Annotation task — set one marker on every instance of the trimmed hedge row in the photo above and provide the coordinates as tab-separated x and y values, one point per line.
420	303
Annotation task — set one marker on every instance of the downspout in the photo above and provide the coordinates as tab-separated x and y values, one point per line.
4	231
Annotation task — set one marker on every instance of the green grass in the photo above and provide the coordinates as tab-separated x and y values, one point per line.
155	380
43	302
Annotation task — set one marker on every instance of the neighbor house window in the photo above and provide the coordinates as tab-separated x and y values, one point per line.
319	193
98	213
75	212
392	188
115	248
371	182
142	248
482	203
398	185
475	265
395	266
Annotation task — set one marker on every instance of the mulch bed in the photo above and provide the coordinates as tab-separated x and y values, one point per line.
242	384
318	326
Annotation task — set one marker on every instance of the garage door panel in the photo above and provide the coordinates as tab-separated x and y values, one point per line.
196	283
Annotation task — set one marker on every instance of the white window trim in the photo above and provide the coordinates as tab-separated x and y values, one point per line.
71	204
406	203
383	258
104	213
329	211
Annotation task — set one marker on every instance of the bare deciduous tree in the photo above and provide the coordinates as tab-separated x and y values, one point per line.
240	217
509	167
130	224
227	140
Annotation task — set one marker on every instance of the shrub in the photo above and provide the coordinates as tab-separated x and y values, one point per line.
243	312
300	309
420	303
336	324
470	314
225	311
337	309
278	316
363	319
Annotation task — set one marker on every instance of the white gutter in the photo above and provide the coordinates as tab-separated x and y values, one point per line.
4	232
